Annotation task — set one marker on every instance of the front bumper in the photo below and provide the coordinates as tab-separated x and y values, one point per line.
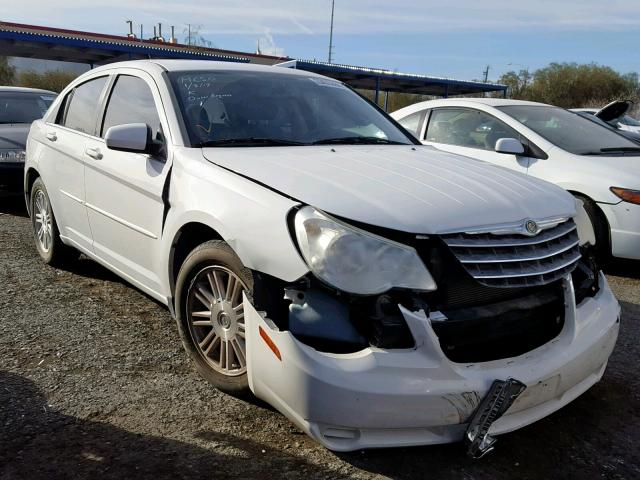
384	398
624	220
11	176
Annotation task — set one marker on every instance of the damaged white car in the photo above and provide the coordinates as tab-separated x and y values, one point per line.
376	292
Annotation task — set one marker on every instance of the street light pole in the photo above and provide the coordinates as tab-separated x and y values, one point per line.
333	2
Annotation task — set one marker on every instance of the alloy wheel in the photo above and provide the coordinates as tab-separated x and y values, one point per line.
43	224
216	319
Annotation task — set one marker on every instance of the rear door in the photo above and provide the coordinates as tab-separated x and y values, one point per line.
124	195
472	133
63	159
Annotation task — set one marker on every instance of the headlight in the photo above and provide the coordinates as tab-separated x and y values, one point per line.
356	261
12	156
626	194
586	234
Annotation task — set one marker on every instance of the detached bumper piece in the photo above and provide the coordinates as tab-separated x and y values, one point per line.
501	396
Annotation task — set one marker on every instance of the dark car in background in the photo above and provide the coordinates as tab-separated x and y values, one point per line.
19	107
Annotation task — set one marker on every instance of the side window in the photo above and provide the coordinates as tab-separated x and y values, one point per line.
131	101
466	127
413	122
81	106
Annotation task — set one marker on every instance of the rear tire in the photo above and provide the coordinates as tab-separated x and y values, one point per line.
600	228
210	315
45	229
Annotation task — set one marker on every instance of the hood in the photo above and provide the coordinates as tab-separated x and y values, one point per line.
411	189
13	135
614	110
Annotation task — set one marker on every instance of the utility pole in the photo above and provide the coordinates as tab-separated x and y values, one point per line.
333	3
189	34
485	73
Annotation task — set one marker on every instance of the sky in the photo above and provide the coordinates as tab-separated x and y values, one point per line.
452	39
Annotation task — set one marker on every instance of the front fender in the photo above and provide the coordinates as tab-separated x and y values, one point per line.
249	217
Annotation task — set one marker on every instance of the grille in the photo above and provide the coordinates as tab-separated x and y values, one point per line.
498	260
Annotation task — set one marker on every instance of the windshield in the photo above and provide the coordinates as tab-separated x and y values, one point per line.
19	107
255	108
570	131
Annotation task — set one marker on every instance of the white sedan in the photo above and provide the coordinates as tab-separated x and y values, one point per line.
595	164
372	290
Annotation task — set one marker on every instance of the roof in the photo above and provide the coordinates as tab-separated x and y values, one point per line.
462	102
177	65
35	41
170	65
25	90
494	102
393	81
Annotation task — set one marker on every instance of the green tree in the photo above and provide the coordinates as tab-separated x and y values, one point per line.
7	72
54	80
572	85
518	83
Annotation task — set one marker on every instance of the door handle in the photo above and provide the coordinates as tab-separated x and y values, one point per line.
51	136
93	153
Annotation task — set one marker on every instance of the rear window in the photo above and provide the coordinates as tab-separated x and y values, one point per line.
19	107
82	106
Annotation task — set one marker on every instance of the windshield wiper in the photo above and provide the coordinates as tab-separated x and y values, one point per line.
605	151
250	141
620	149
357	141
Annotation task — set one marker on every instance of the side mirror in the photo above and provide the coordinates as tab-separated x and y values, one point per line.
131	137
509	145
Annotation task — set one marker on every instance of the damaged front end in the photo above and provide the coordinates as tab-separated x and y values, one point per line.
490	336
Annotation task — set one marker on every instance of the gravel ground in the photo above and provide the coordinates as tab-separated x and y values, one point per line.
94	384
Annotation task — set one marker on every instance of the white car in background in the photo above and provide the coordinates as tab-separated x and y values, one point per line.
376	292
594	163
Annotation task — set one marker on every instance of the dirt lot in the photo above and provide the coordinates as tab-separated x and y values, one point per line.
94	384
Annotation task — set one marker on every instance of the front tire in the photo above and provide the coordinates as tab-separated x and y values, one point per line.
210	314
45	229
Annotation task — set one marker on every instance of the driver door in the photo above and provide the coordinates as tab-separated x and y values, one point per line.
472	133
124	190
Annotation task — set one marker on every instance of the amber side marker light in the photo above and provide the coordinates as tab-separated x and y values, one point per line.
270	343
631	196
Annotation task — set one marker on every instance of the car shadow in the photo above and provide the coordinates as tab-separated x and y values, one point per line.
623	268
36	442
88	268
563	445
13	204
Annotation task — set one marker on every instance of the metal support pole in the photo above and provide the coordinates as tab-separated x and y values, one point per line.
386	100
333	3
377	90
446	90
504	93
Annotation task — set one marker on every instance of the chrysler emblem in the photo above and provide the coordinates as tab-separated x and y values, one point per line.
531	227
